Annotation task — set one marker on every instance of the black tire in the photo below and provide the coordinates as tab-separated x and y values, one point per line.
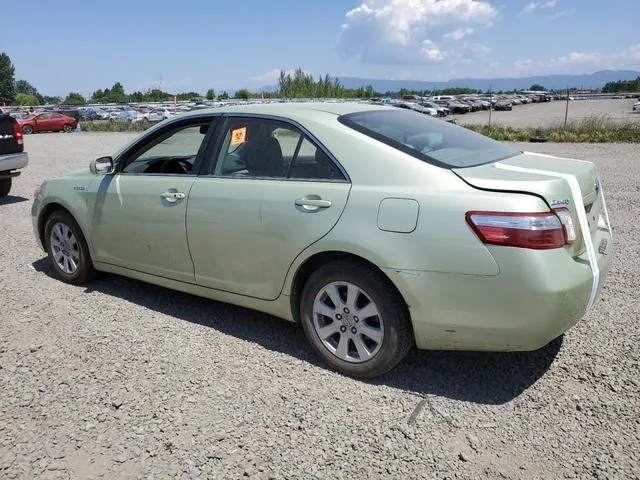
5	186
84	271
27	129
397	339
66	128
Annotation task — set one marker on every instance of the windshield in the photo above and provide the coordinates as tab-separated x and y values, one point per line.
434	141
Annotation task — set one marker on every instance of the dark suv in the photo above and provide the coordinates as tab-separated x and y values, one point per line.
12	155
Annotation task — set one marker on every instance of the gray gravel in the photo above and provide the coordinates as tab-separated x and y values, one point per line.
550	114
127	380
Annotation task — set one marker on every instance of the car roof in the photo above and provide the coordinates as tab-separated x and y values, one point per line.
293	110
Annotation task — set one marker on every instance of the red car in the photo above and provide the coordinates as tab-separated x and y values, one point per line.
48	122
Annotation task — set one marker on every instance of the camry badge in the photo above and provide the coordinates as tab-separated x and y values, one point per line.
557	203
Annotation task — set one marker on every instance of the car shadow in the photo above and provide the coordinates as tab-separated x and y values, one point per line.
484	378
9	199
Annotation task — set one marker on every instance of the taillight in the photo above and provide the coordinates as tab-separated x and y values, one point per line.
17	134
567	222
538	231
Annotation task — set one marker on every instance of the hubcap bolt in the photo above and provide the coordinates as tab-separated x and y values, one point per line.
343	329
346	310
356	319
338	317
354	330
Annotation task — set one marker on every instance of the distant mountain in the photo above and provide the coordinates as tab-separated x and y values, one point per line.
550	82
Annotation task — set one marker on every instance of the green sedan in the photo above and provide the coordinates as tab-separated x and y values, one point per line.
378	229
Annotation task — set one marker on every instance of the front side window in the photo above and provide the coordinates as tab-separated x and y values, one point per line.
431	140
173	151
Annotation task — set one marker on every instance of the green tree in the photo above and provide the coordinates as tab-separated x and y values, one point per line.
74	98
223	96
536	87
211	94
7	79
25	99
242	94
188	96
22	86
51	100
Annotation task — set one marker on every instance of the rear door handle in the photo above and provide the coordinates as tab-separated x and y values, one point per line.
173	196
312	203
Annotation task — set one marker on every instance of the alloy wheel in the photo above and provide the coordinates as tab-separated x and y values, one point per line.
348	322
64	248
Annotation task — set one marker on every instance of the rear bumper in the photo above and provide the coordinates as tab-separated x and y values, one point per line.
536	297
13	161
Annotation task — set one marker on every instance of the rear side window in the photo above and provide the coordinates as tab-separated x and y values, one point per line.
434	141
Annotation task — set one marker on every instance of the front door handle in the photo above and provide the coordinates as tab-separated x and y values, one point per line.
173	196
312	204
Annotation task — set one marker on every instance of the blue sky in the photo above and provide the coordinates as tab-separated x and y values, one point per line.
199	44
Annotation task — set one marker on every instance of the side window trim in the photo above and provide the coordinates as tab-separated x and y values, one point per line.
305	133
124	158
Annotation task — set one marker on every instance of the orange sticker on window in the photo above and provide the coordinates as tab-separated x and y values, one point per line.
238	136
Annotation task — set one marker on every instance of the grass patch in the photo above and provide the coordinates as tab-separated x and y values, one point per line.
104	126
597	129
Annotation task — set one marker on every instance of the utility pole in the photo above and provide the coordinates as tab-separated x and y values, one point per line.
490	102
566	110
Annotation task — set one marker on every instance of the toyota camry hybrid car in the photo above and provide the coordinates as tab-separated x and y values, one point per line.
377	228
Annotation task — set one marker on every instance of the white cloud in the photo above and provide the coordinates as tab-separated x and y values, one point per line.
579	62
533	6
459	33
559	14
388	32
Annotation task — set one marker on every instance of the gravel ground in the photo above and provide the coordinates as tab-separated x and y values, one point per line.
126	380
549	114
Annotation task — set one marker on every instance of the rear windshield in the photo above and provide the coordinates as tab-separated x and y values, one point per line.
431	140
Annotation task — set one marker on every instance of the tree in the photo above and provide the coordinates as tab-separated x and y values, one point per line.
242	94
188	96
25	99
223	96
7	79
51	100
211	94
536	87
22	86
74	98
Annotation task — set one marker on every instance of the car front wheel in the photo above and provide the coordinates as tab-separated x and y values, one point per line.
5	186
27	129
67	249
355	320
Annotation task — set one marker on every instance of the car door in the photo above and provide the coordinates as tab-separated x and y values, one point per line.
42	122
271	192
138	220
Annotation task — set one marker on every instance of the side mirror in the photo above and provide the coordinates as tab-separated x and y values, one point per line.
101	166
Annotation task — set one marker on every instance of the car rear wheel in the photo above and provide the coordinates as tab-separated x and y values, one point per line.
27	129
67	249
5	186
355	320
67	128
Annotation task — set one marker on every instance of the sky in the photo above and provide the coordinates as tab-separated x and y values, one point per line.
194	45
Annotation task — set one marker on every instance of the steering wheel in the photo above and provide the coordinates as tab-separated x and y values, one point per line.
175	165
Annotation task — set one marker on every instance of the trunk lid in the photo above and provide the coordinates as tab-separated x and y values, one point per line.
8	142
555	191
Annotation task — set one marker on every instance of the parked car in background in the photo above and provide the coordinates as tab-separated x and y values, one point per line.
461	242
157	115
503	104
417	107
47	122
636	107
129	116
442	111
93	113
12	155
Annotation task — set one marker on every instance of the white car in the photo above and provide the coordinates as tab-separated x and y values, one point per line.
157	115
636	107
